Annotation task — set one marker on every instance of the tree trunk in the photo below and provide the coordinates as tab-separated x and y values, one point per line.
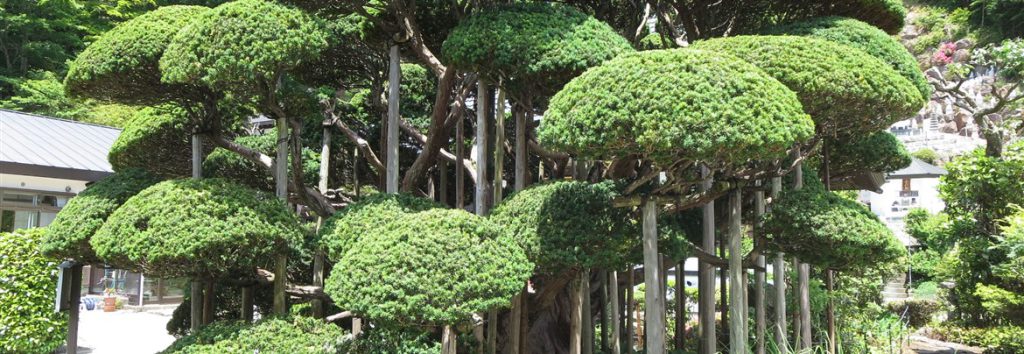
318	257
460	174
805	306
652	278
706	283
576	316
779	275
603	308
737	339
680	335
394	79
73	308
247	303
492	331
448	341
499	147
760	279
442	173
830	283
196	298
723	289
615	331
522	159
208	302
588	315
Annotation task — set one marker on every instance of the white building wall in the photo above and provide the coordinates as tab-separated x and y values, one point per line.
41	183
893	203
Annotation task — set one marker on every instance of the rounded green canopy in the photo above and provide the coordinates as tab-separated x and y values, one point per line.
534	47
361	218
827	230
865	37
296	335
223	163
845	90
878	152
435	267
241	43
68	236
671	105
156	139
565	225
123	64
206	228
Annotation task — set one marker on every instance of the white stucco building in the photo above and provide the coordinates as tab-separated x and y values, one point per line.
916	186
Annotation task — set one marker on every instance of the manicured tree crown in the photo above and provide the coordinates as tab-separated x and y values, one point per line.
435	267
365	217
670	105
865	37
888	15
270	335
878	152
843	88
67	237
156	139
223	163
241	44
827	230
565	225
123	64
535	47
204	228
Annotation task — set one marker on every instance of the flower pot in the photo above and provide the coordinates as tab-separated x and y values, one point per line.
109	304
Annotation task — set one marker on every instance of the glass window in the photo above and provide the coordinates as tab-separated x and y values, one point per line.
48	200
13	198
24	219
45	218
6	220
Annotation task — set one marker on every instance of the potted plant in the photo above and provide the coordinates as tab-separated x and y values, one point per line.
109	300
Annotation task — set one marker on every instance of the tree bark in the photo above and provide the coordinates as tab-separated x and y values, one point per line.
576	316
805	306
737	338
499	147
448	340
652	278
522	159
603	308
208	302
394	79
779	275
706	283
829	283
481	148
680	334
460	174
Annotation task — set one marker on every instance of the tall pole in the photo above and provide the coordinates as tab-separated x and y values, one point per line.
196	291
499	146
576	316
281	187
394	79
737	337
779	275
615	330
760	279
516	335
318	257
830	312
803	283
481	147
630	308
460	172
73	308
680	305
706	283
652	278
588	315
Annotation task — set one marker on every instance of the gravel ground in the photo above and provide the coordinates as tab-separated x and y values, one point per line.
123	332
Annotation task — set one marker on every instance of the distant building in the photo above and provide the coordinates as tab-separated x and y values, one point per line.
916	186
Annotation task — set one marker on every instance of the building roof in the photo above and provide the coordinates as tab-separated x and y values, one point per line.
919	169
41	146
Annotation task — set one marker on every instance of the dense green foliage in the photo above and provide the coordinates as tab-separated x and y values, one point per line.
28	285
878	152
995	340
830	231
67	237
926	155
654	41
567	225
43	93
297	335
205	228
122	65
865	37
532	48
429	268
672	105
975	180
391	340
156	140
348	225
223	163
241	45
845	90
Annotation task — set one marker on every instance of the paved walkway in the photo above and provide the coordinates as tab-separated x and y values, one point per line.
924	345
123	332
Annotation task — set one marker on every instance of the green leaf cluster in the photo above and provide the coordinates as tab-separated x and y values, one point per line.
206	228
358	219
878	152
567	225
984	187
830	231
297	335
678	104
535	48
157	140
67	237
28	285
223	163
123	64
654	41
865	37
393	340
435	267
844	89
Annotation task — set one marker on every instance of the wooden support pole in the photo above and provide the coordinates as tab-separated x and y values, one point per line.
614	330
448	340
318	256
281	180
522	159
588	314
831	318
74	302
737	338
576	315
630	309
804	275
760	280
394	80
481	147
680	334
196	291
779	275
652	279
460	173
247	303
603	308
499	147
706	283
208	302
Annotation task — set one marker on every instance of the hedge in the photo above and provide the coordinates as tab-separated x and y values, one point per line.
392	340
28	286
122	64
435	267
845	90
564	225
865	37
204	228
223	163
295	335
68	236
534	47
878	152
364	217
678	104
158	140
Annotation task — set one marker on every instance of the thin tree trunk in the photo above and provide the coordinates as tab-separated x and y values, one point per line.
603	308
460	174
830	283
576	316
394	79
652	278
442	173
615	331
208	302
706	283
805	306
492	331
281	184
448	340
73	308
737	339
760	280
630	309
723	289
196	298
588	315
680	335
318	257
517	336
247	303
499	147
522	159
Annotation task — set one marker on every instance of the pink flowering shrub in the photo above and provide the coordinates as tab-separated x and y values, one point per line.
944	54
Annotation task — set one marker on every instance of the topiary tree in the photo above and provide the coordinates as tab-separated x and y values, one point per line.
223	163
845	90
878	152
209	228
299	335
155	140
567	225
347	226
28	284
68	236
435	267
863	36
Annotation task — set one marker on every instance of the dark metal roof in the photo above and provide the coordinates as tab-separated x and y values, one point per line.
919	169
41	146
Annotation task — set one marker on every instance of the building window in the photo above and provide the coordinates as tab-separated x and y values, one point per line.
906	184
27	209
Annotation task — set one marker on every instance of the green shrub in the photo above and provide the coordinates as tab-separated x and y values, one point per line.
999	302
996	340
535	48
915	313
432	267
156	139
205	228
926	155
385	339
364	217
122	64
28	285
223	163
567	225
298	335
845	90
671	105
67	237
877	152
926	290
654	41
